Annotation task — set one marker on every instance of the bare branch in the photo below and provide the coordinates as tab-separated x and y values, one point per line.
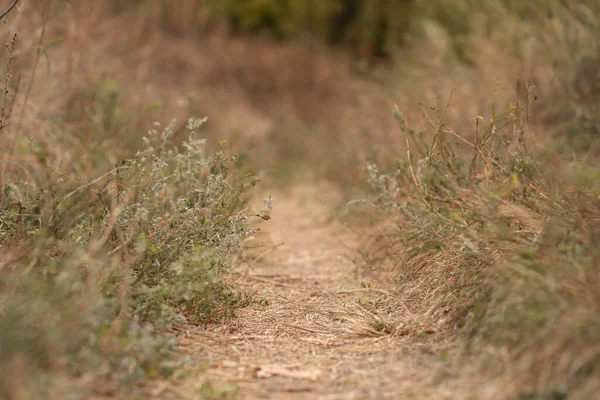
9	9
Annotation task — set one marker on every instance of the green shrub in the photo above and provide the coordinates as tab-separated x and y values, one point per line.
92	273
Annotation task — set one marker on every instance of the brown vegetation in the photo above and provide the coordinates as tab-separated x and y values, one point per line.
466	170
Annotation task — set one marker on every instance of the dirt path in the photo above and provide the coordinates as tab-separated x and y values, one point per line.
324	332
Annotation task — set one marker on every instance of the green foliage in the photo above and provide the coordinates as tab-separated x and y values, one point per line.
93	273
187	225
370	28
376	28
283	18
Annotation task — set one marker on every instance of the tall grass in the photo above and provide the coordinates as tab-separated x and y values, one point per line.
491	222
494	236
549	44
500	239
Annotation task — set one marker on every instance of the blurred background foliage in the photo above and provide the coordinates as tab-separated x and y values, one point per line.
371	28
554	41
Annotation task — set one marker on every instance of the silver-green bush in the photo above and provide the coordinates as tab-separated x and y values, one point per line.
93	273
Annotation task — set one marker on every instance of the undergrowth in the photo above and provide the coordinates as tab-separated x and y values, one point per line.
94	271
491	223
497	238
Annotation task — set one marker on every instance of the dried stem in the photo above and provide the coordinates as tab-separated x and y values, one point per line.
9	9
13	145
440	124
476	148
412	171
10	47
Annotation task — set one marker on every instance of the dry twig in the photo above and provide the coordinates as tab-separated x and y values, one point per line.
9	9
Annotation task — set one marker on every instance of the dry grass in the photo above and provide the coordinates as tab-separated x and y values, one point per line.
285	101
501	253
97	89
318	328
505	254
496	241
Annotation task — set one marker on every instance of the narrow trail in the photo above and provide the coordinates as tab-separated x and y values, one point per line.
325	331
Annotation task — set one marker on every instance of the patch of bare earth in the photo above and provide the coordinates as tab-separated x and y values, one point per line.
326	331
